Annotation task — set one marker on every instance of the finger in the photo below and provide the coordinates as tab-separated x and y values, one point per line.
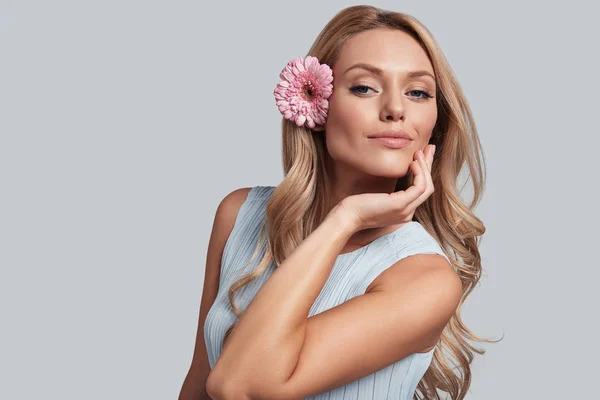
430	157
425	161
412	171
425	172
419	185
415	166
424	169
415	189
423	182
427	156
419	191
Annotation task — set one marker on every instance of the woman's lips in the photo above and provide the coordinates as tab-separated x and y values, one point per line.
391	142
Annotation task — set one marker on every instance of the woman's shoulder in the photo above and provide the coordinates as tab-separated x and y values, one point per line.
242	195
260	192
245	202
415	237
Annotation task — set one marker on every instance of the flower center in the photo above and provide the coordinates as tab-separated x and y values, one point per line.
309	90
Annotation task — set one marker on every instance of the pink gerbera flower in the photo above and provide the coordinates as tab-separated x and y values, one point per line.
303	91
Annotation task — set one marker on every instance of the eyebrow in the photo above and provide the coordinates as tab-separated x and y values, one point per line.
379	71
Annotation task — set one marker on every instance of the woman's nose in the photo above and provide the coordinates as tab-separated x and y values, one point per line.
393	109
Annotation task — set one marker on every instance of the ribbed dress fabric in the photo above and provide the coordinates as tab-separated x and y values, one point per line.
350	276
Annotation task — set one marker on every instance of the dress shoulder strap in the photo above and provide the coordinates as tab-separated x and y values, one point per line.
245	233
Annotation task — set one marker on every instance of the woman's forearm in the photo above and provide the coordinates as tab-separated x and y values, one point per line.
265	346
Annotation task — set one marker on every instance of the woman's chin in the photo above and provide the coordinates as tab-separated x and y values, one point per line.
392	173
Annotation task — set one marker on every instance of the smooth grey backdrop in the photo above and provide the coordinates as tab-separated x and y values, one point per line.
124	123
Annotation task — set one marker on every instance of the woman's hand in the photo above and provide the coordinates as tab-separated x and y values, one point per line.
372	210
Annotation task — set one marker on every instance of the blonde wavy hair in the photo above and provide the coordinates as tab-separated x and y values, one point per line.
298	204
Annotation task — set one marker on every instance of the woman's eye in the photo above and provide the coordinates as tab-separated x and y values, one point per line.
426	94
354	89
361	89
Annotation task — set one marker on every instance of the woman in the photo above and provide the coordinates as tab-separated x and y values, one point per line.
367	250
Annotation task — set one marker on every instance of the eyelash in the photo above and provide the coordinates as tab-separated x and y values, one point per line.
426	94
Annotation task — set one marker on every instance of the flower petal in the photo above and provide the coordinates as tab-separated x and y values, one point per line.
300	119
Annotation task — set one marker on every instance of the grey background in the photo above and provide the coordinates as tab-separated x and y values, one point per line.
124	123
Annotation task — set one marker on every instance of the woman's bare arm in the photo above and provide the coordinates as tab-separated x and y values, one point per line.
277	352
194	385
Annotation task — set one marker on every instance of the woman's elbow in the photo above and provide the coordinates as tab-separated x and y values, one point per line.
219	389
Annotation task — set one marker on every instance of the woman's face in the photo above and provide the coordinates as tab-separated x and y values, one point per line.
364	103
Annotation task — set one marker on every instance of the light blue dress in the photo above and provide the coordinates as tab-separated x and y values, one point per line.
350	276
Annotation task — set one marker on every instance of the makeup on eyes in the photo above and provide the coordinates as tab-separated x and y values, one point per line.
423	94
